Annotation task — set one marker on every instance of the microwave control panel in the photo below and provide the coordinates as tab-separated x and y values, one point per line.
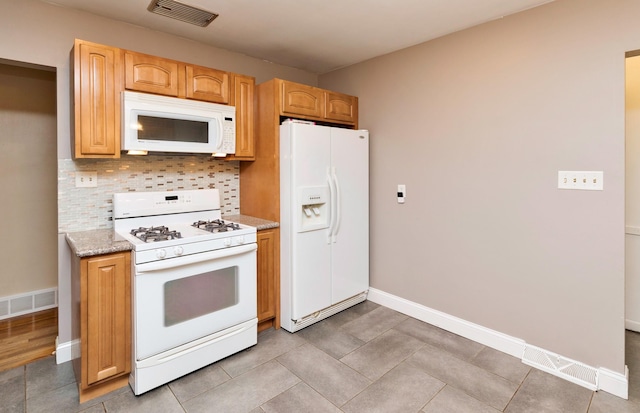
228	135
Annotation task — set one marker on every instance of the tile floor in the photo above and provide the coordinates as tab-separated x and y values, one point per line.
365	359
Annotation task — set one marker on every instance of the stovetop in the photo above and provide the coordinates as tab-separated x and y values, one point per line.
164	233
163	225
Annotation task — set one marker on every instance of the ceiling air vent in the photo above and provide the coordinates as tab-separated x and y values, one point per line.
182	12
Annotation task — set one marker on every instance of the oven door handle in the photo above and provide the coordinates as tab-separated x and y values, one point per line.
195	258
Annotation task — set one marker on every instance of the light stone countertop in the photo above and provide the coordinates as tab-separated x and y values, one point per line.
95	242
259	223
100	241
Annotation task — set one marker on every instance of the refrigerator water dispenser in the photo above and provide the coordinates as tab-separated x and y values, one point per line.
312	208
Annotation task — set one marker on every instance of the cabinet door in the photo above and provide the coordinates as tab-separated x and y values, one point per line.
145	73
106	305
97	88
268	287
302	100
207	84
243	96
341	107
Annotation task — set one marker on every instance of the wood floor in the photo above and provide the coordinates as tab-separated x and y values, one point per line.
27	338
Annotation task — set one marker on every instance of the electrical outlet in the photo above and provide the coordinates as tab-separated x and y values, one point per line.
86	179
585	180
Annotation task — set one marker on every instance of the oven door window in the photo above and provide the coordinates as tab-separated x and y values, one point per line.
192	297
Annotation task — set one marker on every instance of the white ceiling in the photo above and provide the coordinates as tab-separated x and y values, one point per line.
314	35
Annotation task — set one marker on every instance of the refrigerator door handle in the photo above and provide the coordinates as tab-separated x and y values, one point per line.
332	215
336	208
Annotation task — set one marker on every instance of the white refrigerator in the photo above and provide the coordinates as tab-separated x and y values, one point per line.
324	221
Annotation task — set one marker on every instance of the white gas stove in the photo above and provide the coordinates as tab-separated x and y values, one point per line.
193	282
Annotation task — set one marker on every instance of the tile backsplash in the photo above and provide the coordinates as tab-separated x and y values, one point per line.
81	209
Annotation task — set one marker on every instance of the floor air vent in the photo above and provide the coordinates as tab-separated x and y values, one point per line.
563	367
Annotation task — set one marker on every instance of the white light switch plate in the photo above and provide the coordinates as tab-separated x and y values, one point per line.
402	193
86	179
585	180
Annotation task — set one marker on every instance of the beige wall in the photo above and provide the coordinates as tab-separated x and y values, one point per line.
28	180
477	124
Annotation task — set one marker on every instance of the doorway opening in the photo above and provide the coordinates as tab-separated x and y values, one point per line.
632	191
28	184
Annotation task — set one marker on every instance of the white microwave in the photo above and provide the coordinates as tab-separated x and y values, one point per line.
153	123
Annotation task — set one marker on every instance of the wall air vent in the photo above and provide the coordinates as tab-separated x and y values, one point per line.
182	12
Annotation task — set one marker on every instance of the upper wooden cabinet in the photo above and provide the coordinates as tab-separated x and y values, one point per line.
207	84
340	107
151	74
97	83
101	73
314	103
300	99
243	99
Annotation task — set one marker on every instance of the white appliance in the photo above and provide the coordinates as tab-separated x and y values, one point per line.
324	212
193	283
154	123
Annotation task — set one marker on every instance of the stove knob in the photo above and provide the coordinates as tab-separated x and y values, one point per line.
178	250
240	239
227	242
161	253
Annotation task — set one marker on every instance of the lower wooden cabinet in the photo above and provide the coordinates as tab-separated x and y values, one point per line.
268	278
102	322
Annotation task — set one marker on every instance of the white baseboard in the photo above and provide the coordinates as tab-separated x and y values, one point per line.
609	381
67	351
614	383
632	325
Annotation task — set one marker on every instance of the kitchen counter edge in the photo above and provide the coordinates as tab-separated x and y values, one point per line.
95	242
259	223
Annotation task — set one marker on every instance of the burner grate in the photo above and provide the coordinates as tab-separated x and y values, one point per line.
217	225
153	234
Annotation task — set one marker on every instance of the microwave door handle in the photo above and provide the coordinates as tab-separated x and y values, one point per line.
220	134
